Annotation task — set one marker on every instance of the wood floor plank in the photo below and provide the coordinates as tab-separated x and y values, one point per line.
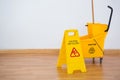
43	67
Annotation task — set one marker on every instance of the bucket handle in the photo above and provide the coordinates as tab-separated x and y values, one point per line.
109	18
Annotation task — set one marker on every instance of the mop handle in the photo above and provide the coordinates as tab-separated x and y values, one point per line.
93	20
109	18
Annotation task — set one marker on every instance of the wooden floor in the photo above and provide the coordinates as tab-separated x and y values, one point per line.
32	66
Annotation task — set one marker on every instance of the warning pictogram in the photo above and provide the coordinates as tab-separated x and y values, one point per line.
92	50
74	53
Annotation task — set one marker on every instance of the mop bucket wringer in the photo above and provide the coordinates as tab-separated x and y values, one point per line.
93	43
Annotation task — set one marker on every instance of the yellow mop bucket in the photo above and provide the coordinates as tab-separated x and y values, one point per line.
93	43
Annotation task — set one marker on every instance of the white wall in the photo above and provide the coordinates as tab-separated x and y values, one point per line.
36	24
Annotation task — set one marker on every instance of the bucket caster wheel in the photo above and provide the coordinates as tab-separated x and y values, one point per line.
101	60
93	60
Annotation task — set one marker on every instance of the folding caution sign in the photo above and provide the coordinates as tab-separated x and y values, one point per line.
71	52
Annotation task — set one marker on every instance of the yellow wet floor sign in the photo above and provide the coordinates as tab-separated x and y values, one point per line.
71	52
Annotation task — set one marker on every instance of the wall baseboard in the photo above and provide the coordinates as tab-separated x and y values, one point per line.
23	51
51	51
